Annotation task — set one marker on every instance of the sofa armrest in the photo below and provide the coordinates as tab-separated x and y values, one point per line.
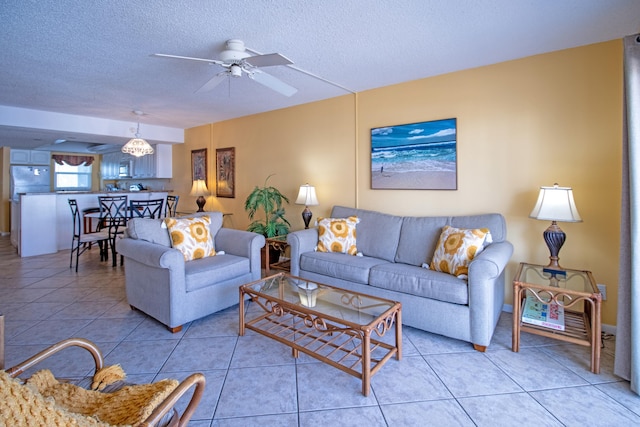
241	243
300	242
151	254
486	290
491	262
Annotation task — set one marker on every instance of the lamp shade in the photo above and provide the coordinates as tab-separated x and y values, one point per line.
556	204
137	146
307	196
199	188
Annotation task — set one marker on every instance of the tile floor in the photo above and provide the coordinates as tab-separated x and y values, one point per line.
253	381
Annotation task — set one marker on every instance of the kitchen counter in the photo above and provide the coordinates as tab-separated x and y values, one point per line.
32	217
112	192
41	223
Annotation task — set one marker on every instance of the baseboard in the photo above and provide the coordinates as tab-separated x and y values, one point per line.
608	329
4	233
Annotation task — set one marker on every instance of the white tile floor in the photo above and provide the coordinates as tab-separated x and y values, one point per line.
253	381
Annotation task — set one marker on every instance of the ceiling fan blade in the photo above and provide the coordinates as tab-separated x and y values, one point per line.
210	61
213	82
272	82
268	60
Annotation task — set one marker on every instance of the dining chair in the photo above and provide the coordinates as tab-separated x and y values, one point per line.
171	206
146	208
113	217
82	241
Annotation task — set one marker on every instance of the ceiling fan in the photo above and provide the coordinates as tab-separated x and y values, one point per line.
237	60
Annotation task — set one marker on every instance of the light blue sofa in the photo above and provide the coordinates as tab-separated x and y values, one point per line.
160	283
394	249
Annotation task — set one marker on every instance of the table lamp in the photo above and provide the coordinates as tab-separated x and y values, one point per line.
199	189
555	204
307	197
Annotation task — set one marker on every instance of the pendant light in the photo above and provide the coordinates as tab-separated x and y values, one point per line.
137	146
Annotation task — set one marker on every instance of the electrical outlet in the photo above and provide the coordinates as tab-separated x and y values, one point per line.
603	291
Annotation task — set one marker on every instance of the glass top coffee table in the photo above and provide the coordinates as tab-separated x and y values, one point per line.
341	328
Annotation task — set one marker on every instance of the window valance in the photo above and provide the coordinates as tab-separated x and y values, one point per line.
72	160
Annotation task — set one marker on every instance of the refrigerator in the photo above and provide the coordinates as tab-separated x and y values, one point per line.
30	179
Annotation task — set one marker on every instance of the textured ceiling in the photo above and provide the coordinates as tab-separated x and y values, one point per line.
92	58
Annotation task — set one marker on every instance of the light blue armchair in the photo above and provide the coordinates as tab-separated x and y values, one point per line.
160	283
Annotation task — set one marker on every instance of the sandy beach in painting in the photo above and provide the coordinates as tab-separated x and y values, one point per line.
425	180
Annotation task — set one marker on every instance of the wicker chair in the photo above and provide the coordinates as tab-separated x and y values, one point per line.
23	404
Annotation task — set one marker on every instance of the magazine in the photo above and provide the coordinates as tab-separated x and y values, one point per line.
549	315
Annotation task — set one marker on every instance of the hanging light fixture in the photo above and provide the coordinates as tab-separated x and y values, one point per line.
137	146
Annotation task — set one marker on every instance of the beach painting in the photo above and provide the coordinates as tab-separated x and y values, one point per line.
416	156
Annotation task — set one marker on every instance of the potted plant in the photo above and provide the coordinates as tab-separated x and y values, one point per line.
269	200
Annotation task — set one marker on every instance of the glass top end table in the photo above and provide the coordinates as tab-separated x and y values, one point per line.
574	291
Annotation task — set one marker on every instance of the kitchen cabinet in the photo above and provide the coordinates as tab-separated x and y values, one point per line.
110	165
29	157
163	161
144	167
156	165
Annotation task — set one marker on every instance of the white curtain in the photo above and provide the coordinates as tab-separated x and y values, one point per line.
627	362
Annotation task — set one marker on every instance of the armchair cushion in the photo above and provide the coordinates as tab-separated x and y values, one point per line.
149	230
191	236
201	273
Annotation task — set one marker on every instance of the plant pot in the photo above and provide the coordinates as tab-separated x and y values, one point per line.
274	255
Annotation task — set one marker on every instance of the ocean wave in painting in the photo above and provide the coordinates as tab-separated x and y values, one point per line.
415	147
435	156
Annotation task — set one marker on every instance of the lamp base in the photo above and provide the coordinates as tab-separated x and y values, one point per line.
200	201
554	237
306	216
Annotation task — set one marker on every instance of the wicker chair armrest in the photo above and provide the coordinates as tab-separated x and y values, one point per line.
197	380
50	351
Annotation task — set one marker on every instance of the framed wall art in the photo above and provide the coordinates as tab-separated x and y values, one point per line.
415	156
226	172
199	164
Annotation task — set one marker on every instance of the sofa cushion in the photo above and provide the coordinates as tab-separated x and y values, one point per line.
378	233
351	268
456	249
418	239
203	272
418	281
150	230
191	236
493	221
337	235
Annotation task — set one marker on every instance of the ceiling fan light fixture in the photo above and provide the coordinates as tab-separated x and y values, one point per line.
137	146
235	71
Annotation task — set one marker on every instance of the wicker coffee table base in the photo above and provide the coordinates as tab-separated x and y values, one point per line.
350	348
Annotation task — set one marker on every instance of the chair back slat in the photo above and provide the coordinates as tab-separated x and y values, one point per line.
73	204
113	212
146	208
171	206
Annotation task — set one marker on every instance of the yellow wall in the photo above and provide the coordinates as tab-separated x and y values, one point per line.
521	124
